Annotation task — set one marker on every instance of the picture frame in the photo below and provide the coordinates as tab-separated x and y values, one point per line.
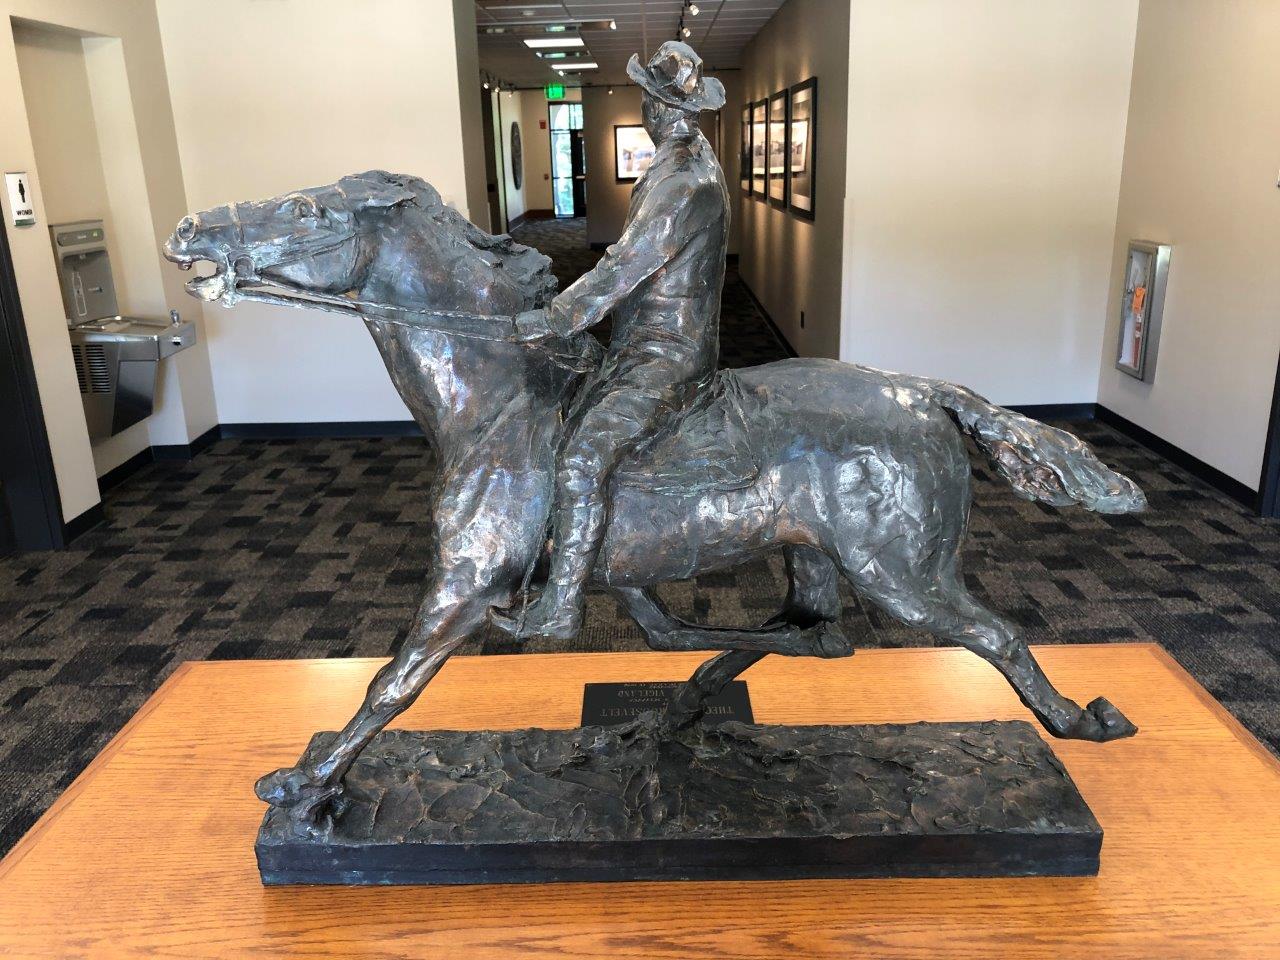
778	145
1142	290
759	138
633	151
802	146
744	151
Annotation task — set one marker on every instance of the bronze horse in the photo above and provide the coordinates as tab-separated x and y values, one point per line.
847	470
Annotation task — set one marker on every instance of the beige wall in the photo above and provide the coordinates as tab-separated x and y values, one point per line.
125	72
469	93
607	200
985	144
1200	173
292	93
793	265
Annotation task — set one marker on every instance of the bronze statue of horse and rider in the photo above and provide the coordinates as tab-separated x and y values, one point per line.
646	464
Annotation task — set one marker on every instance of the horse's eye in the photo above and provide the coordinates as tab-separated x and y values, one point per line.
304	208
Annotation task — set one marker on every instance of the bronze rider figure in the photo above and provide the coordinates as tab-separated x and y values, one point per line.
661	281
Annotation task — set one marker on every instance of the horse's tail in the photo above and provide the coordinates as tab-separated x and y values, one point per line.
1040	462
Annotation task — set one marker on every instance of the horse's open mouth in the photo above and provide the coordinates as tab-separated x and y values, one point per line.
227	282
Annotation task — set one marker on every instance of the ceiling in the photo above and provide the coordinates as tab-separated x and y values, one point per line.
719	32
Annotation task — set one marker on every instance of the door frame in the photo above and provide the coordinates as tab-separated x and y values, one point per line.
30	486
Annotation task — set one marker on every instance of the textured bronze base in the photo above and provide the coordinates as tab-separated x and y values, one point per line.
730	802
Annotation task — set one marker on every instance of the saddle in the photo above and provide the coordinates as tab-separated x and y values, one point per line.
706	448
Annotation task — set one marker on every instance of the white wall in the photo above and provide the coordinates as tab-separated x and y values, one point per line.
793	265
1200	173
985	144
274	96
508	109
535	128
138	162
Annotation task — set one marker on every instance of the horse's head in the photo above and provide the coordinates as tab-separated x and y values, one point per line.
315	240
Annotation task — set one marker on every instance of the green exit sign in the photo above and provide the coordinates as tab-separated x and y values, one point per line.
555	91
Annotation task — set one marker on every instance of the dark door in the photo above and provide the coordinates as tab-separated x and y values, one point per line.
30	511
1269	487
7	543
578	158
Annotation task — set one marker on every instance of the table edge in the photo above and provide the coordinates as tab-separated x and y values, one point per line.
1225	716
28	840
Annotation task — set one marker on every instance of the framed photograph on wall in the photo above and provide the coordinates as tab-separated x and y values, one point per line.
802	142
633	151
1146	273
779	142
759	145
744	151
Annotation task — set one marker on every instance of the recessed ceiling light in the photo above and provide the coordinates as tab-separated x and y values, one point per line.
552	54
578	66
540	42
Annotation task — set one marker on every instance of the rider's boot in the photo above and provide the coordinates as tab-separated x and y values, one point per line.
558	612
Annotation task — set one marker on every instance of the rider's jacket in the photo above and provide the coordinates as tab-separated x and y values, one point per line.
662	278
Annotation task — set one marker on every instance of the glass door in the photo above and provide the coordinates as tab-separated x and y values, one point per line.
568	162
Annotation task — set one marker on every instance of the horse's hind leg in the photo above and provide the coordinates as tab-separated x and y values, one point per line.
813	592
807	624
941	605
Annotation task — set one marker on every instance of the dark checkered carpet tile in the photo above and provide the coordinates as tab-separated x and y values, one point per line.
318	548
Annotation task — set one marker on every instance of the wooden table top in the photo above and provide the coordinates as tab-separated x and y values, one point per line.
150	852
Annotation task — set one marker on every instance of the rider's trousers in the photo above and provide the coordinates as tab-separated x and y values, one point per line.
638	390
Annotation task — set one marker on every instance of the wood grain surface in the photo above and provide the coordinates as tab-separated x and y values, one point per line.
150	852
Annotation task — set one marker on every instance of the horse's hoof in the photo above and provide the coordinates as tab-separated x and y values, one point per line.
304	800
1101	722
833	643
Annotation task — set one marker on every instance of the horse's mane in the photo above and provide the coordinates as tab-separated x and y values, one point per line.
471	251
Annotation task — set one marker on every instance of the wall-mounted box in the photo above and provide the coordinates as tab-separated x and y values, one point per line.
1146	275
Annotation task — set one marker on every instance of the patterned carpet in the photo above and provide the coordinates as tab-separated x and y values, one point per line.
318	548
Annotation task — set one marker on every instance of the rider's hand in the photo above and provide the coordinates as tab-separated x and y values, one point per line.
531	327
560	313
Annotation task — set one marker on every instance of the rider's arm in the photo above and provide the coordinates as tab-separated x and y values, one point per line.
653	237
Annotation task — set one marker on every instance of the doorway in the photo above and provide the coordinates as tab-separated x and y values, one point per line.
568	159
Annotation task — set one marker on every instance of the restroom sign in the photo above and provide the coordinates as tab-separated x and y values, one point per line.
21	203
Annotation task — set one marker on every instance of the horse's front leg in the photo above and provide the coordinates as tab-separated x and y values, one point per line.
453	610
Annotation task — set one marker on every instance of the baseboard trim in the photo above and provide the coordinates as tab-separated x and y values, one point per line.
777	331
337	429
82	524
365	429
186	451
1057	411
1214	477
118	475
530	215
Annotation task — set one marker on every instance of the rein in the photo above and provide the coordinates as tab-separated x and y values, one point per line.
471	326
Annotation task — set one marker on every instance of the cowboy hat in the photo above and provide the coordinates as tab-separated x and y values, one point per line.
674	76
